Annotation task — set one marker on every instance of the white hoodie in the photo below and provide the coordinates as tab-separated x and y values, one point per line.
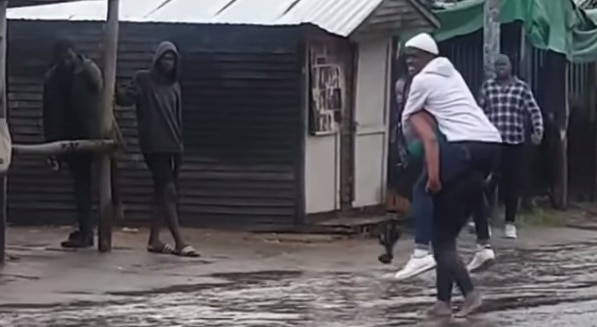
440	90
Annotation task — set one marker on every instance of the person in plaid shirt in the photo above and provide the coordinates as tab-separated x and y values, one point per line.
508	101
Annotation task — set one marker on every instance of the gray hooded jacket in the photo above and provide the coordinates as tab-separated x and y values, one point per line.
159	105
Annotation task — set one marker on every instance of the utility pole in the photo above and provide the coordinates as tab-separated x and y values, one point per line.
491	36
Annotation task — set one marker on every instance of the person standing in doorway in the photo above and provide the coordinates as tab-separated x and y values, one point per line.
157	96
71	107
508	102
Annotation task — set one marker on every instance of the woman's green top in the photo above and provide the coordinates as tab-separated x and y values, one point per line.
415	149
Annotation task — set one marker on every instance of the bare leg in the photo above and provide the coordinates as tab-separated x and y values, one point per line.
118	207
156	222
171	214
80	166
171	209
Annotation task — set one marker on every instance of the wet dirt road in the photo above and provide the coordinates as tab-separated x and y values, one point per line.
551	285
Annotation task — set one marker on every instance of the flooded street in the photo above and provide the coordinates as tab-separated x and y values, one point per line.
550	285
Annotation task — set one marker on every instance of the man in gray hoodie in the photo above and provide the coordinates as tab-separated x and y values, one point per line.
157	96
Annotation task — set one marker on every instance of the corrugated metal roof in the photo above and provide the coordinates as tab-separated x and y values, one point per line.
586	4
26	3
339	17
91	10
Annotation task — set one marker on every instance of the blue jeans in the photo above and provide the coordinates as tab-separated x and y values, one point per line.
453	162
421	211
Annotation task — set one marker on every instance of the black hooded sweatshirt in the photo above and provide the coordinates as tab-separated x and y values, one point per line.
159	105
71	101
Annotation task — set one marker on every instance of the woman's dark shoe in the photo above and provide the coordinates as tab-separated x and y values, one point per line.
78	240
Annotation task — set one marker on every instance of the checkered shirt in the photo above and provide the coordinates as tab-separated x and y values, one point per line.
508	107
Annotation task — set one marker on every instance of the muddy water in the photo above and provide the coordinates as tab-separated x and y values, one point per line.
551	286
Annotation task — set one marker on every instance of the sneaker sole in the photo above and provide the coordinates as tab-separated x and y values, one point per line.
415	274
484	266
469	313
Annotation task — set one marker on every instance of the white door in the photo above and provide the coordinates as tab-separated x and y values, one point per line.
371	119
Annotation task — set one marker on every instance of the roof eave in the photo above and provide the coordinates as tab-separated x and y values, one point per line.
425	12
31	3
429	22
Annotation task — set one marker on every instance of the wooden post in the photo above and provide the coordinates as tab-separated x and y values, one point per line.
525	69
3	115
560	66
491	48
109	66
491	36
592	105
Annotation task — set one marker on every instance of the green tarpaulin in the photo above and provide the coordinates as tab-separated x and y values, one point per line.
556	25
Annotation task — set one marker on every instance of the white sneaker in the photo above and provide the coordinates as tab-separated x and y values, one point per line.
483	259
416	266
510	231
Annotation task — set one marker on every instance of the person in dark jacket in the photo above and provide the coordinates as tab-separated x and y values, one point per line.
71	111
157	96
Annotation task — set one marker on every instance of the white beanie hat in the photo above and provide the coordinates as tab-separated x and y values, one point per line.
424	42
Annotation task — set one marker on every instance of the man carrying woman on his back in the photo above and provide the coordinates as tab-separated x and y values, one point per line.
455	168
421	211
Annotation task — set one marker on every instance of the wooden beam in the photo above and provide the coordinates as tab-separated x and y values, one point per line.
62	147
105	190
3	115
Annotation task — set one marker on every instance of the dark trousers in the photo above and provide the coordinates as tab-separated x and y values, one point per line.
481	212
80	166
164	168
463	168
421	212
508	178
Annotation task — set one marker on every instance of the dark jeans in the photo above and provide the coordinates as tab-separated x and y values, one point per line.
463	168
509	176
80	166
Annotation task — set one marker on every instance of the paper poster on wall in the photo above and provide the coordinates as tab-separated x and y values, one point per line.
325	84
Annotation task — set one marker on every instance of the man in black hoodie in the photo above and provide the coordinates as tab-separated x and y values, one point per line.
71	111
157	96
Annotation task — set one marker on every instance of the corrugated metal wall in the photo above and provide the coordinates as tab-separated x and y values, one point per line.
242	114
582	137
467	54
